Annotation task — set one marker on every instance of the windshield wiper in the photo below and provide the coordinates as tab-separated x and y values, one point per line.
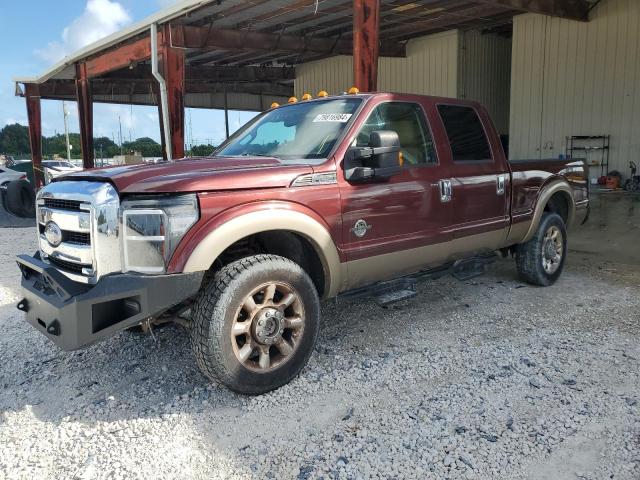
259	155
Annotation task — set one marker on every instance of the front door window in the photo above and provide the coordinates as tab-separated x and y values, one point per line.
407	120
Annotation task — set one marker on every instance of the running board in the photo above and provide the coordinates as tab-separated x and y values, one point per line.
403	288
472	267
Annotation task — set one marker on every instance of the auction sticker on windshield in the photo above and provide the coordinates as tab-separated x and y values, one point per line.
333	117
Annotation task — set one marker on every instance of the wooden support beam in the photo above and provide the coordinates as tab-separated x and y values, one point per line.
172	69
210	74
366	28
66	89
119	57
571	9
85	114
34	116
203	38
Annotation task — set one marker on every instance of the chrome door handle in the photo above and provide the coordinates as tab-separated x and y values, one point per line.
445	191
500	185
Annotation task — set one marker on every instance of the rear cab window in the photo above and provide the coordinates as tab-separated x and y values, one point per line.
466	134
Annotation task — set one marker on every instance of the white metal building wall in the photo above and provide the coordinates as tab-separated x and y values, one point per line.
573	78
430	67
485	73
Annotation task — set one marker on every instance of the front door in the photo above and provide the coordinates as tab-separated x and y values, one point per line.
389	226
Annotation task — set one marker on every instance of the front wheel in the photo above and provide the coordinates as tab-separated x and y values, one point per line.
540	260
255	323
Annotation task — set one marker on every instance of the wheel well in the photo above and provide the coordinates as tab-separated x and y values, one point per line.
558	203
286	244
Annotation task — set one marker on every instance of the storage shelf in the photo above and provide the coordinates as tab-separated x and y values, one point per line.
585	143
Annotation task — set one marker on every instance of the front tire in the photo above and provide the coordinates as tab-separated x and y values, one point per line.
255	323
540	261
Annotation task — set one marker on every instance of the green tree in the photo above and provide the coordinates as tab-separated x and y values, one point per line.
147	147
57	145
202	150
105	147
14	140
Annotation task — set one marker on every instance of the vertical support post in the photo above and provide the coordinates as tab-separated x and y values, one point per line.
366	28
34	115
85	114
226	114
172	68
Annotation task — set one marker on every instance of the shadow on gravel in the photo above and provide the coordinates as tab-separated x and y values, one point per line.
138	376
132	375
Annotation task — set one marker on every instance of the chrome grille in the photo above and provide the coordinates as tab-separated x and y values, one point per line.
62	204
69	266
76	237
87	215
81	238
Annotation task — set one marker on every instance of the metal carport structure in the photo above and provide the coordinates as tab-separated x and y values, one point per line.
241	55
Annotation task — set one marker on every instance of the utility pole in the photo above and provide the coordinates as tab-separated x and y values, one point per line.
120	125
65	113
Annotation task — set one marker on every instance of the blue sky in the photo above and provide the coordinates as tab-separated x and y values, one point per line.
37	33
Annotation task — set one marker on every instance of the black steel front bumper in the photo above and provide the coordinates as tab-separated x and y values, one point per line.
75	315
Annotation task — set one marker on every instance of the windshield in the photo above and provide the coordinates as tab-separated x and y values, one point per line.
305	130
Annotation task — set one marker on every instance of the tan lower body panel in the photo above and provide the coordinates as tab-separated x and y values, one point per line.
518	231
366	271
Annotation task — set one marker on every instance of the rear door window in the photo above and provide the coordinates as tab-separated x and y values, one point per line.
466	134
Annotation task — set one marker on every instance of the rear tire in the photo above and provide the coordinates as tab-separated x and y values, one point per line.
21	199
540	261
255	323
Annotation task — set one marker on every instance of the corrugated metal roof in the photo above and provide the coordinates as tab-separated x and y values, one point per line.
61	69
400	20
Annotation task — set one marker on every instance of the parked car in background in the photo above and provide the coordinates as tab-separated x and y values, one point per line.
7	175
12	162
56	168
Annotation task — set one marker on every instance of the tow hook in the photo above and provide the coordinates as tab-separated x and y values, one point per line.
54	328
23	305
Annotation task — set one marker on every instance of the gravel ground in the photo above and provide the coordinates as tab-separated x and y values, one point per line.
487	378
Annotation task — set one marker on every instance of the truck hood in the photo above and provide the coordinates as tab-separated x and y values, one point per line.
196	175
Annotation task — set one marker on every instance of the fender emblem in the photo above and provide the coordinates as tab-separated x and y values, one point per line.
361	228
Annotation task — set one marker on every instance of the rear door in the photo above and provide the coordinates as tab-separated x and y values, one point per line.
479	178
389	226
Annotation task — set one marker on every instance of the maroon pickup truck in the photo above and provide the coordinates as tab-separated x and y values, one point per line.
343	195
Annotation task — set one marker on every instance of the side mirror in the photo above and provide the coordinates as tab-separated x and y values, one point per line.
380	160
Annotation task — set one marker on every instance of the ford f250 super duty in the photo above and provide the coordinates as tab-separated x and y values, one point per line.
308	201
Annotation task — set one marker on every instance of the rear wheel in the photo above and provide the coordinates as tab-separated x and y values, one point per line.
255	323
540	260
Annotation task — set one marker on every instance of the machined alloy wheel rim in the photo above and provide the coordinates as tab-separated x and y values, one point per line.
268	327
552	250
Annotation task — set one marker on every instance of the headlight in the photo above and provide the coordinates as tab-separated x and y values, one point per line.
152	229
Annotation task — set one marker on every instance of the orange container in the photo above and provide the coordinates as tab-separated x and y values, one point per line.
613	182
